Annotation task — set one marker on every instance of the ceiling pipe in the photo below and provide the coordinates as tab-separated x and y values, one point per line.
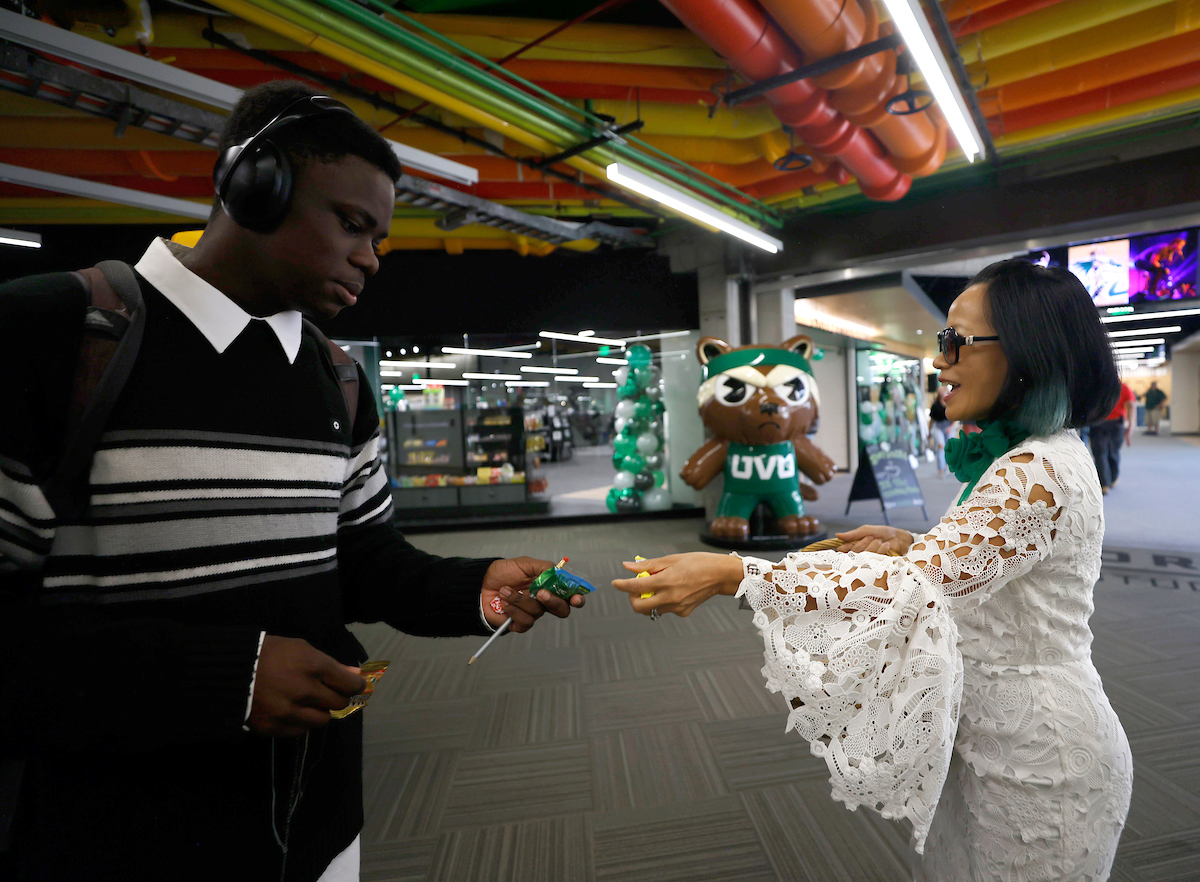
999	14
1093	43
1110	70
860	91
740	32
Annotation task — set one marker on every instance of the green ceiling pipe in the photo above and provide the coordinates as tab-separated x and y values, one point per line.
446	80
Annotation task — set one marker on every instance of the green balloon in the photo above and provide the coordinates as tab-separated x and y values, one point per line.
659	477
639	355
657	408
611	500
624	445
818	354
629	389
644	409
617	459
634	462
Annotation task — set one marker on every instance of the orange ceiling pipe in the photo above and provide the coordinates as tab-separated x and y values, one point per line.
861	91
742	176
793	181
660	76
739	31
162	165
956	9
1161	83
999	14
630	94
1130	64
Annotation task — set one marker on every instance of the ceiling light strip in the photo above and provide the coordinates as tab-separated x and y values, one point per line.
599	385
690	207
1121	344
909	19
488	353
578	338
1149	316
533	369
416	364
20	238
41	180
577	379
425	381
663	336
1163	329
474	376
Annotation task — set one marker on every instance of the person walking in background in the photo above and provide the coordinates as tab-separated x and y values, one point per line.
1155	399
940	429
1106	438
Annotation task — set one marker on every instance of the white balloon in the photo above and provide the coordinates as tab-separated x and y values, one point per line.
647	443
621	375
623	480
657	499
620	425
625	409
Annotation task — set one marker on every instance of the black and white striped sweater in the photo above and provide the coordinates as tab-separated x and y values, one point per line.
228	498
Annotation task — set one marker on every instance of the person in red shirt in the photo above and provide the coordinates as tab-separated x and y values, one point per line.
1106	439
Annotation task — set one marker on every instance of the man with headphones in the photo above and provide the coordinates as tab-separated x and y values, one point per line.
170	657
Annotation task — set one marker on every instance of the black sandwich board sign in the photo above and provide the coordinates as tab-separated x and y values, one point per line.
887	475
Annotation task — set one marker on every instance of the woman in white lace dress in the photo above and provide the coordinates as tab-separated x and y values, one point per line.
947	678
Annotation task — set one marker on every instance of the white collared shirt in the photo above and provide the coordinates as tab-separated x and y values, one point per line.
214	314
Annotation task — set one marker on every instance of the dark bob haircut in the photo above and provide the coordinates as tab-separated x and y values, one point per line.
327	138
1061	371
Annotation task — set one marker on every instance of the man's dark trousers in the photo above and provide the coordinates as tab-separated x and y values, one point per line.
1106	438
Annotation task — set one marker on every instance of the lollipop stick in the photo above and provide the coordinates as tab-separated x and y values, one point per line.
499	631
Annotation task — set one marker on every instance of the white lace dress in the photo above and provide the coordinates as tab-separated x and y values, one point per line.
954	686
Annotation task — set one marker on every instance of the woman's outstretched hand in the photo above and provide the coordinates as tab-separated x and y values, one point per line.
680	582
876	538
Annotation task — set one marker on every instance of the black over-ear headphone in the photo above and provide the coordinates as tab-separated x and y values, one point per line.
254	178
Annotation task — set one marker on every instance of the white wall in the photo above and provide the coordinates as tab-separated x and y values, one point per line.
1185	392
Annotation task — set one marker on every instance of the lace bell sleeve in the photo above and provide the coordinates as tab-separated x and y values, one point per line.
864	646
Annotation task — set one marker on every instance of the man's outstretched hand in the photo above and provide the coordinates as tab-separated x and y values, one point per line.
509	580
296	687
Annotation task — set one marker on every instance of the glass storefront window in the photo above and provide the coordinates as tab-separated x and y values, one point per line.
890	403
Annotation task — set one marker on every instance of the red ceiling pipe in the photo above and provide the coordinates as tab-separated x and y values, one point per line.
739	31
979	21
916	144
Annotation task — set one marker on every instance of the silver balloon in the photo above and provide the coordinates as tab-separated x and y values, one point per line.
654	462
623	480
657	499
621	375
655	426
647	443
625	409
619	424
654	392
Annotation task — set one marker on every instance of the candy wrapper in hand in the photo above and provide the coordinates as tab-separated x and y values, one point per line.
560	583
643	574
372	671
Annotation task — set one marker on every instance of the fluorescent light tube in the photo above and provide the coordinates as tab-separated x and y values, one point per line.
548	370
1121	344
513	384
578	338
577	379
1149	316
387	363
662	336
497	353
20	238
603	360
910	21
1164	329
599	385
470	376
425	381
693	208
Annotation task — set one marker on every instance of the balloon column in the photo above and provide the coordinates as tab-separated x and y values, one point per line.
640	482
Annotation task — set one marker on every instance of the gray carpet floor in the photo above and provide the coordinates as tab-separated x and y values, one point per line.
609	747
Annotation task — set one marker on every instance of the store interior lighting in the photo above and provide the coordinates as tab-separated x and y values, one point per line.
490	353
533	369
579	338
693	208
1121	344
909	19
388	387
386	363
806	315
603	360
514	384
578	379
1162	329
473	376
20	238
1149	316
599	385
587	333
425	381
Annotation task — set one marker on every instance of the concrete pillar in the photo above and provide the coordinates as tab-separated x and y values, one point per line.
1185	392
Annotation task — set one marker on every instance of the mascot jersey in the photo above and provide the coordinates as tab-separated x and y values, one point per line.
760	473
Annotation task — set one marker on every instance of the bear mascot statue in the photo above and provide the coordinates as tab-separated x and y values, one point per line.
760	403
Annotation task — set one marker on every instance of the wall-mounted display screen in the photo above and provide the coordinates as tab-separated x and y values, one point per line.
1162	267
1104	269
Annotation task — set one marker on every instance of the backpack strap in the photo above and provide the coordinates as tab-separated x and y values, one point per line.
344	368
112	334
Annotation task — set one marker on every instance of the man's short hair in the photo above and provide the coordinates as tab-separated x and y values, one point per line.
326	138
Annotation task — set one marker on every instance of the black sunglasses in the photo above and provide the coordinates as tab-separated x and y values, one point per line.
950	341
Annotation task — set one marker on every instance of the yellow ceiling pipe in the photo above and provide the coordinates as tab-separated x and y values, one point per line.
70	210
1053	22
81	134
1129	32
691	120
310	39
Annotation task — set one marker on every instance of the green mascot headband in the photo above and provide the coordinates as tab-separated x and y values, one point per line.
755	356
